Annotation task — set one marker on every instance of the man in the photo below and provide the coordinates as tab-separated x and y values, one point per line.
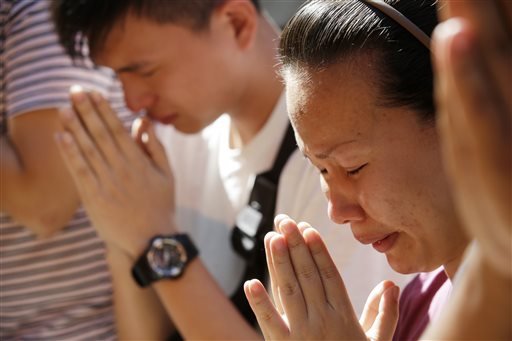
186	63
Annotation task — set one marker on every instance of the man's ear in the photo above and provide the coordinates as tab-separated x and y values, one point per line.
242	17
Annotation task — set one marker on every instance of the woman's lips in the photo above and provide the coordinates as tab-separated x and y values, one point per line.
386	243
380	243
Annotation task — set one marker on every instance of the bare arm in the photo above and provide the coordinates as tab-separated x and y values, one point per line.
139	313
130	199
194	302
37	189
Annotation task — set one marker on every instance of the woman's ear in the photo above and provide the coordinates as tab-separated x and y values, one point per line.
242	18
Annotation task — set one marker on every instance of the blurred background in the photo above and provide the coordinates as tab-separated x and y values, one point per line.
281	10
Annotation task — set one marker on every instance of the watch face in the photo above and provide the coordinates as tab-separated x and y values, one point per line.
167	257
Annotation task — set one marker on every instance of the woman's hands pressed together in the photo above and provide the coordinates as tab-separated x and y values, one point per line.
310	299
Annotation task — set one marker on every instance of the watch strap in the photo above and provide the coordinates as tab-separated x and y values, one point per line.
187	243
142	271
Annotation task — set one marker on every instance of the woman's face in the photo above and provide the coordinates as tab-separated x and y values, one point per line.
380	167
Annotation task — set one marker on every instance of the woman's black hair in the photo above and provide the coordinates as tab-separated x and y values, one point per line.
324	32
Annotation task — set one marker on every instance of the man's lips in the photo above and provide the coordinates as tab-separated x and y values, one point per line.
168	119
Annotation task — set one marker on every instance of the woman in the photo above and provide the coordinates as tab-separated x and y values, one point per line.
359	89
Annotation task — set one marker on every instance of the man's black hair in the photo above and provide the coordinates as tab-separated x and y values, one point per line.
80	21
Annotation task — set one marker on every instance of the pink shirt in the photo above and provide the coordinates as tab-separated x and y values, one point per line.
421	302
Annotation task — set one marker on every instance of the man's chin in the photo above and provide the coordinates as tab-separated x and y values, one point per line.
188	130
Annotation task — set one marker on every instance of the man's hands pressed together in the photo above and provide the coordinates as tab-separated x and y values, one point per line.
127	190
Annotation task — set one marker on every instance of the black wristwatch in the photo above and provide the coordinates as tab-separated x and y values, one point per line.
166	257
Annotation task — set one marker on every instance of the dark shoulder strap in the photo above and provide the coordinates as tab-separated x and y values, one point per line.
253	223
256	220
288	145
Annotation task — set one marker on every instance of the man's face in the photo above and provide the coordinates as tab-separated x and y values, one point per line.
179	76
380	167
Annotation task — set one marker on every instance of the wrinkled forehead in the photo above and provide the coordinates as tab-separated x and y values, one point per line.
326	102
353	77
336	86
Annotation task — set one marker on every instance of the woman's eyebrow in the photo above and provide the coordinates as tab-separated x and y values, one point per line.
325	154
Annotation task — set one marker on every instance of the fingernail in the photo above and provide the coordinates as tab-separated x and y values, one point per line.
77	93
136	125
64	137
279	218
459	40
144	137
247	286
253	288
303	226
465	59
96	97
443	37
269	236
66	113
287	226
278	243
461	44
439	38
396	293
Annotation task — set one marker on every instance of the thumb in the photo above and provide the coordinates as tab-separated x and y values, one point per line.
143	132
371	307
385	323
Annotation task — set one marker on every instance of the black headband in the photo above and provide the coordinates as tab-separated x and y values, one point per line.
400	19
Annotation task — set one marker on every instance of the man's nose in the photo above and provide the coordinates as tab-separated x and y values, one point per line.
139	102
136	95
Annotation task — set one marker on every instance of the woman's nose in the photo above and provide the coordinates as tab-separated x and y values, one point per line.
343	210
